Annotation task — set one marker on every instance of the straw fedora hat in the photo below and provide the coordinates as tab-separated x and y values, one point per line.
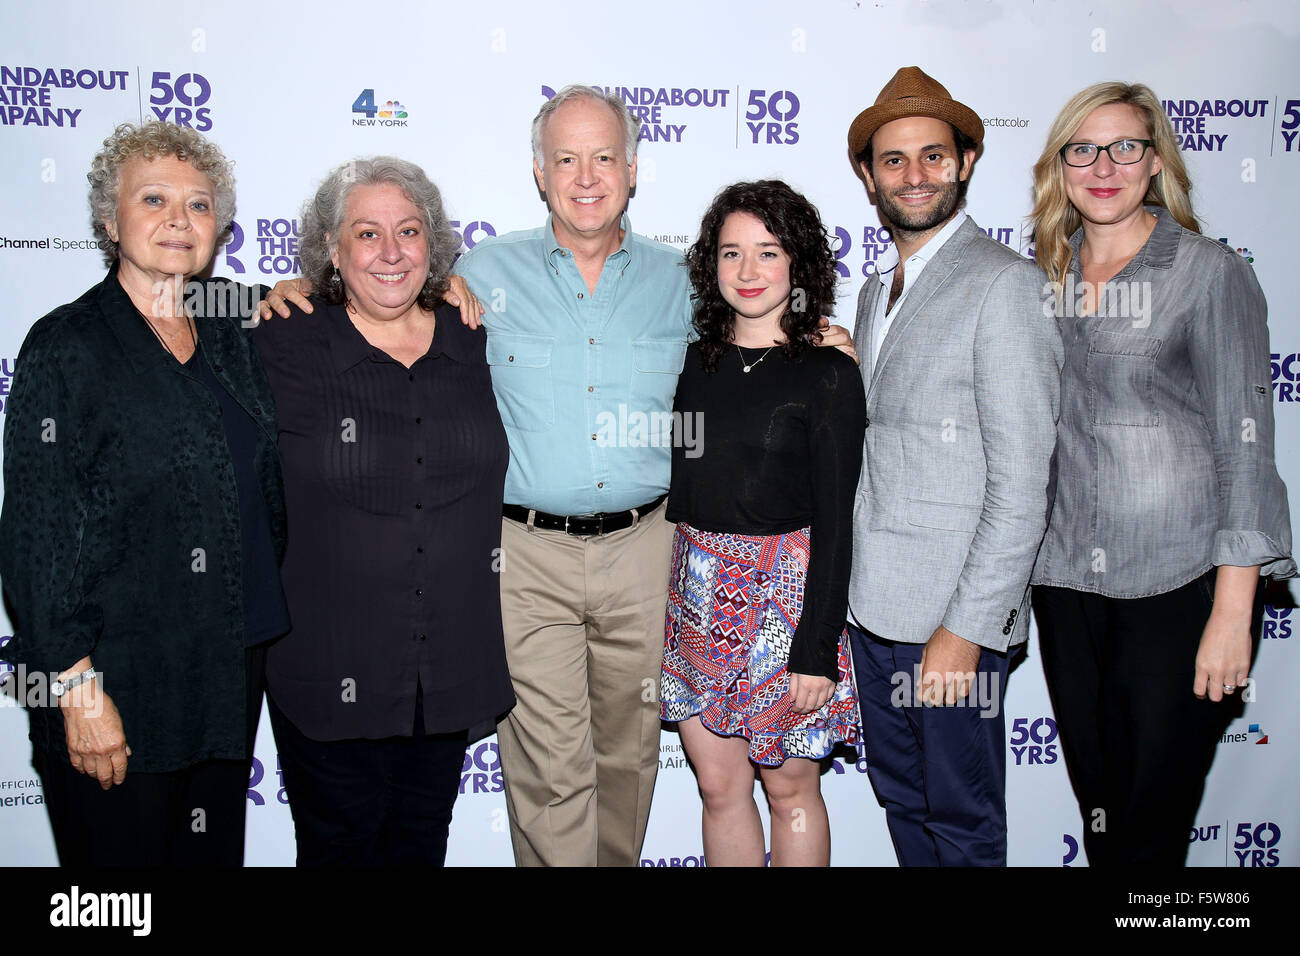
913	93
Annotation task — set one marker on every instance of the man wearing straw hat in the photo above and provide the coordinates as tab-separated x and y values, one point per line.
962	371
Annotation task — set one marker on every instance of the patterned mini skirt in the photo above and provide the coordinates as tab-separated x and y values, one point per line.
734	601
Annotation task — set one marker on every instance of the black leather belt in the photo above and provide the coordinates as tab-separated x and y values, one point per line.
582	526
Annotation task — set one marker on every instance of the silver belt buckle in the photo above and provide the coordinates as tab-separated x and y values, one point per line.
600	518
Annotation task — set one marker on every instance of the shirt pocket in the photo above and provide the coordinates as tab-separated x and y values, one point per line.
1122	379
656	364
521	378
943	516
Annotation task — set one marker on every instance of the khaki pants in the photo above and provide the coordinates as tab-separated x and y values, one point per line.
584	626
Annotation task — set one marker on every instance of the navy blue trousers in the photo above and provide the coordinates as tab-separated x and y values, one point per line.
939	772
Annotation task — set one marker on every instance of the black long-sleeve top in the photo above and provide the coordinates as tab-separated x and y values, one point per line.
780	449
393	481
121	532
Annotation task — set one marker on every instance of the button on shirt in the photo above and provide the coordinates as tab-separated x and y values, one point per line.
916	264
393	479
584	380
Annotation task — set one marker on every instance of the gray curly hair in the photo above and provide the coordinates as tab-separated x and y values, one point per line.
631	128
149	141
322	220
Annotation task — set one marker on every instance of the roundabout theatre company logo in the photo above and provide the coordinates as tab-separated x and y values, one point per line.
31	96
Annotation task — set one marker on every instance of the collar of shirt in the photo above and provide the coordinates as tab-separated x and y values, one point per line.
888	261
916	262
349	347
1158	252
552	249
128	325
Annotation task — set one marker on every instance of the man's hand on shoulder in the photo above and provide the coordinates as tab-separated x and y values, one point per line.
838	337
285	293
459	296
948	666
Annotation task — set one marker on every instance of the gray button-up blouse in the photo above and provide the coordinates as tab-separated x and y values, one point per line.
1164	461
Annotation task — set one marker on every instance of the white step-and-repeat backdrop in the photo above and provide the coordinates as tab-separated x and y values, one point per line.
764	88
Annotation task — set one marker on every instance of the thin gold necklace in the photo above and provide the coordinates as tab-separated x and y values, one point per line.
746	365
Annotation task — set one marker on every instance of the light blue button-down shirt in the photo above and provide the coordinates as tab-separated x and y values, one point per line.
584	381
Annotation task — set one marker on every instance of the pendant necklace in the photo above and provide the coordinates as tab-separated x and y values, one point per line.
189	325
745	364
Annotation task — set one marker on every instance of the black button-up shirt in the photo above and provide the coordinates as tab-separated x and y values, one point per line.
393	480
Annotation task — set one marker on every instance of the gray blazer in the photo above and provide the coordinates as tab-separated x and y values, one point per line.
961	424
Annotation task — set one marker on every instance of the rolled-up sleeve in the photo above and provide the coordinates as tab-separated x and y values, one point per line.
45	516
1230	366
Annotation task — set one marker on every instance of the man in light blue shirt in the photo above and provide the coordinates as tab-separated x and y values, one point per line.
588	324
587	330
570	362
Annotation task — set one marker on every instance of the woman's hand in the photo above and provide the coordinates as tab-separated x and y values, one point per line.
1223	658
96	740
458	295
809	692
286	291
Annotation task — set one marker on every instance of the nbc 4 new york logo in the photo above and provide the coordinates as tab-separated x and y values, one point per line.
1239	250
392	113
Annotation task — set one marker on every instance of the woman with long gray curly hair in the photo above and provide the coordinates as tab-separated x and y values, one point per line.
395	461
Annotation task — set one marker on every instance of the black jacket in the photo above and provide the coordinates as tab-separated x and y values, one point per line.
120	532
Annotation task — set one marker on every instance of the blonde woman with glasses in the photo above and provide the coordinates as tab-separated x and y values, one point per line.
1169	508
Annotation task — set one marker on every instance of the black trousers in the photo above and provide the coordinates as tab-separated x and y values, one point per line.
1138	743
189	817
384	802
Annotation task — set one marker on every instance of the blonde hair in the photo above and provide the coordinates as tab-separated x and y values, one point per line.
1054	219
149	141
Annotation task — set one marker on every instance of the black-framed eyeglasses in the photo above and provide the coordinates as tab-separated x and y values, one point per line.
1122	152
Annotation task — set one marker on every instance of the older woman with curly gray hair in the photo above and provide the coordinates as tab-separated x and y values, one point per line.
143	521
394	458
